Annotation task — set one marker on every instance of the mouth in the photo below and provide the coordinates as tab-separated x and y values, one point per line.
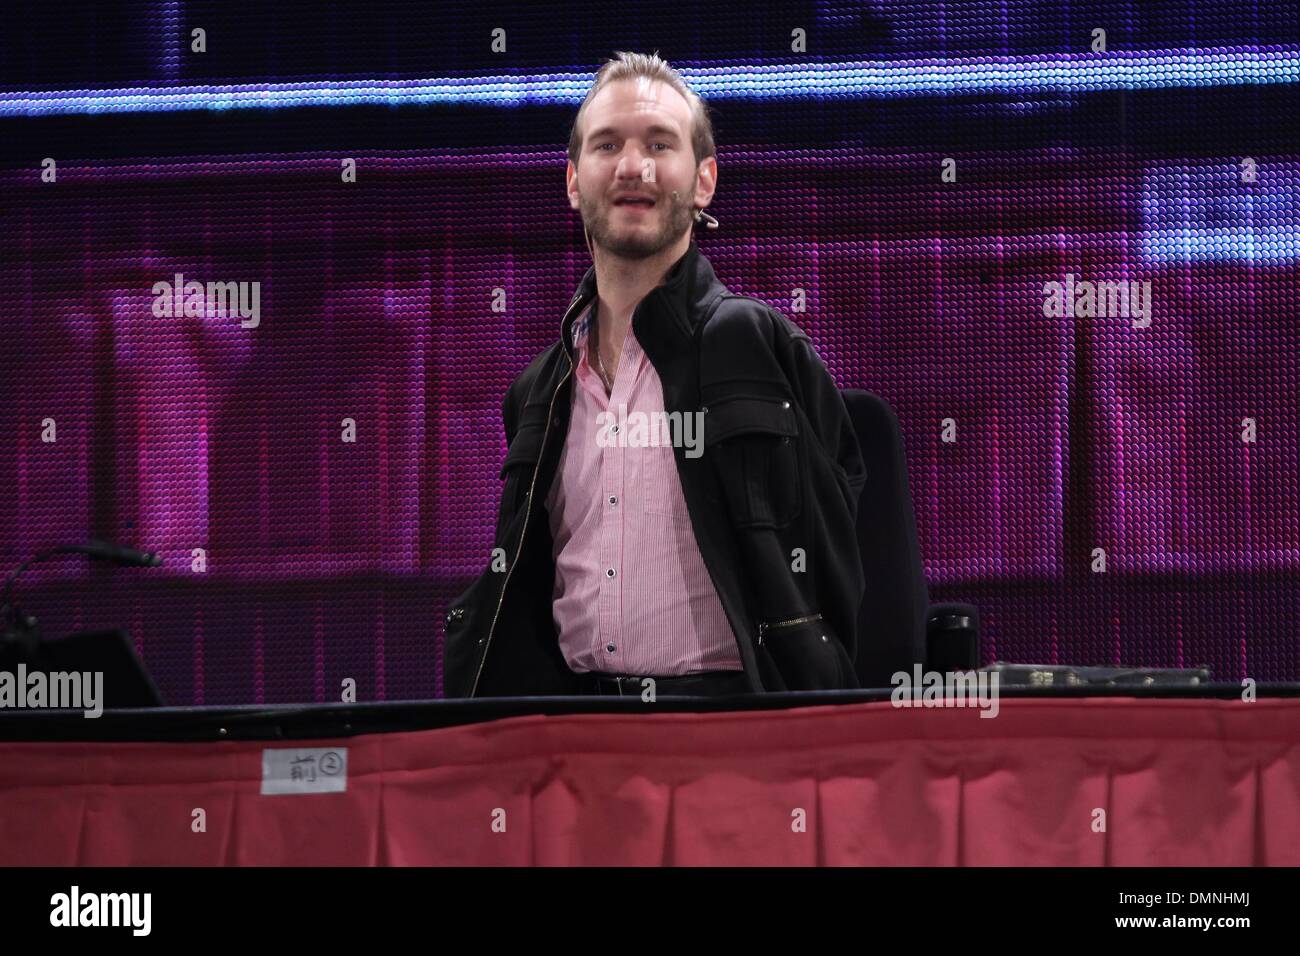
639	204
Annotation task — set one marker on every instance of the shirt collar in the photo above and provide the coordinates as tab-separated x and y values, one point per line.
674	304
583	325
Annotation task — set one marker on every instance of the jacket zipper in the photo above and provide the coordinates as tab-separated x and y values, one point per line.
763	625
550	416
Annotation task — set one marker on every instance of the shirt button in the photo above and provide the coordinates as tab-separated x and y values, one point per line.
610	647
609	573
785	404
613	499
614	430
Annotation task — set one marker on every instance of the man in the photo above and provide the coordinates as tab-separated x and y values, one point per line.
713	550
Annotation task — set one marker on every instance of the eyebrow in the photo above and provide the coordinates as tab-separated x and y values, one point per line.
656	128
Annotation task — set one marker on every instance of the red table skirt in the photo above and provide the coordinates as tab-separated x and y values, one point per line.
1094	782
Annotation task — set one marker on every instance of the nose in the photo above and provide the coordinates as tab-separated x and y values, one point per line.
630	163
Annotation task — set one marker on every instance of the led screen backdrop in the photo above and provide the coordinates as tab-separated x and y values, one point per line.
1072	272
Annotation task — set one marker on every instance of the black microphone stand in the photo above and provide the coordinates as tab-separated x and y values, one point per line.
21	633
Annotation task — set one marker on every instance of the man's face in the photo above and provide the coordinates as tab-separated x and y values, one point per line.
637	142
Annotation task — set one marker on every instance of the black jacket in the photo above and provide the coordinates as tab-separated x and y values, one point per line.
773	498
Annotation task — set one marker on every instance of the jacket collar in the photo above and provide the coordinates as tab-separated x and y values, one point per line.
664	321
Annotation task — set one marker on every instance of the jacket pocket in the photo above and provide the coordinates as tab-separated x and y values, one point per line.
808	654
461	643
754	446
521	462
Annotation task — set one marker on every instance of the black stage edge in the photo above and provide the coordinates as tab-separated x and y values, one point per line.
310	721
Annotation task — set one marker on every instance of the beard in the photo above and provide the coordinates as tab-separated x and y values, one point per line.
667	221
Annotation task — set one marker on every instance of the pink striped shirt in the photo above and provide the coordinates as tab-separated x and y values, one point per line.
632	594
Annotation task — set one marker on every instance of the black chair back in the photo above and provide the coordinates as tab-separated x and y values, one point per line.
892	622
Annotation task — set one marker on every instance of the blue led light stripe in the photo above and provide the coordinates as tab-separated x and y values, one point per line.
1043	74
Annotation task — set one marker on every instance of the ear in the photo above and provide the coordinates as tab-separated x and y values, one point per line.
571	185
706	182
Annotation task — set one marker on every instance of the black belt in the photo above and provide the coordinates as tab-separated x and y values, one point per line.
703	684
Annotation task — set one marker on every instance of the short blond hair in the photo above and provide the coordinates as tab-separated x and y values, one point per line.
626	66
